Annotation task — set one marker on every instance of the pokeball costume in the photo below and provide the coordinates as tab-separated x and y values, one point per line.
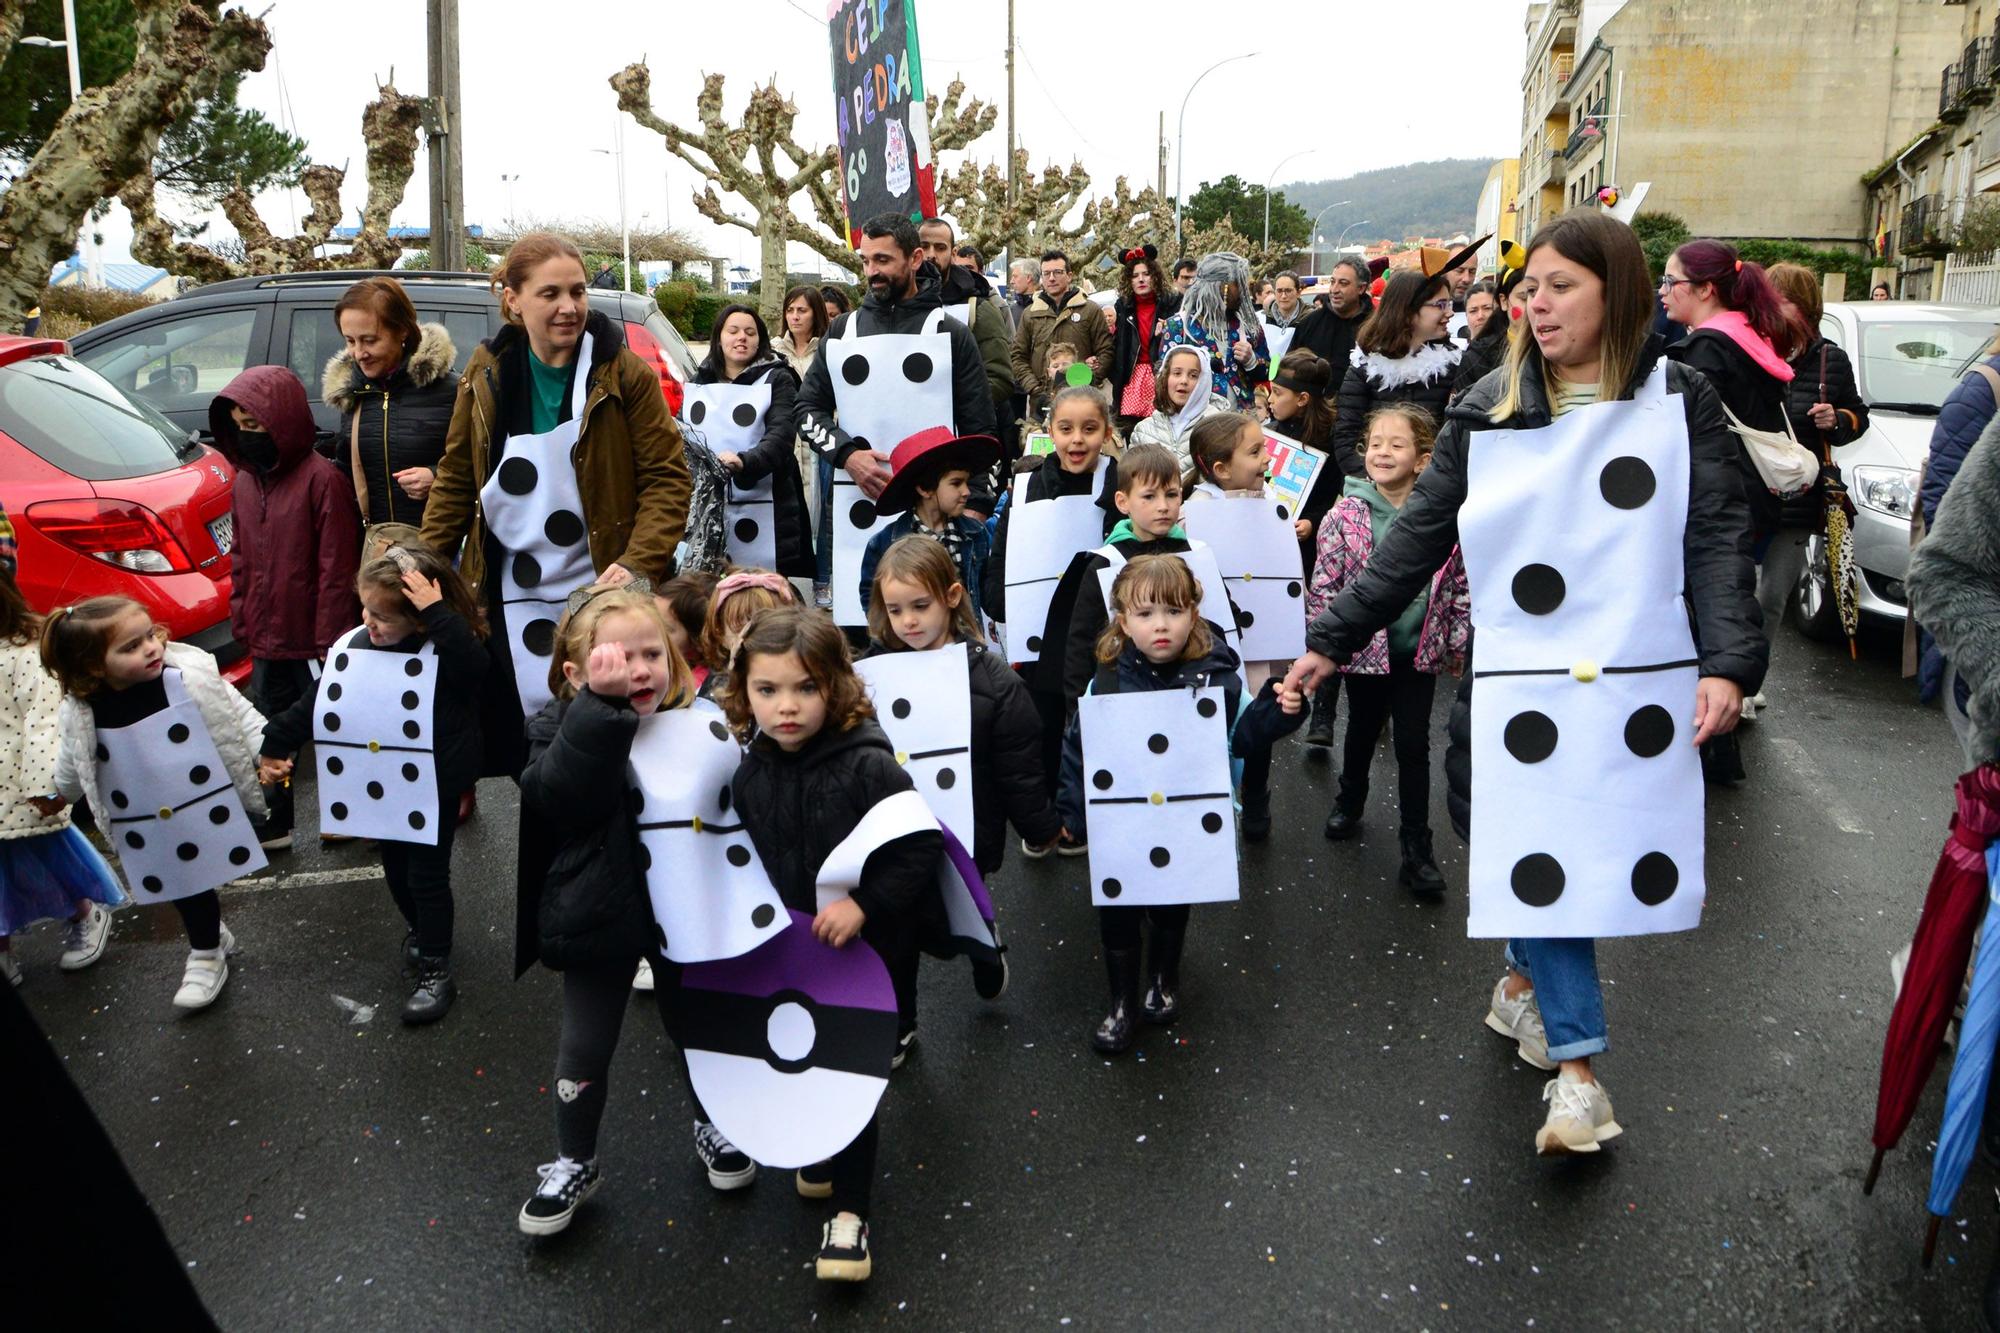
1592	536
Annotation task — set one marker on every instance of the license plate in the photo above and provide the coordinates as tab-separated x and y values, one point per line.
224	531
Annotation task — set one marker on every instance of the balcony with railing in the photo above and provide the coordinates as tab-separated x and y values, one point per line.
1951	94
1976	71
1561	65
1926	229
1588	132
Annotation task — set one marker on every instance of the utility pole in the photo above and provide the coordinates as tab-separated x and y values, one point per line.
1007	252
1163	153
442	146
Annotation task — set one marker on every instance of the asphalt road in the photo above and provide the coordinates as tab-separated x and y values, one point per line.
1328	1138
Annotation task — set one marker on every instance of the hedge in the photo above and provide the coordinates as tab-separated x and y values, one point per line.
1662	233
689	308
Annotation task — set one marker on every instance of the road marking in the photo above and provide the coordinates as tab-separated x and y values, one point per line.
304	879
1800	762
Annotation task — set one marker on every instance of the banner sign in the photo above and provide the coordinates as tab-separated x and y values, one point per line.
883	129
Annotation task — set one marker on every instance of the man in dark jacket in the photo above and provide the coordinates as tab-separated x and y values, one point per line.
900	299
1330	332
298	546
1060	314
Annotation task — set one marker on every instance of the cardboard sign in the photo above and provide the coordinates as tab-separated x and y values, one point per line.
882	128
1294	468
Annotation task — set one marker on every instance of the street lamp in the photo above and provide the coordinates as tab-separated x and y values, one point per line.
1303	152
1341	203
508	181
1344	230
1180	140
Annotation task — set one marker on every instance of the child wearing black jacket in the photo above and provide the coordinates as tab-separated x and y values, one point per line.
411	596
817	763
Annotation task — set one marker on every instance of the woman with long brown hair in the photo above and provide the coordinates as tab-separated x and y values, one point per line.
1576	545
1401	355
1145	302
394	389
563	468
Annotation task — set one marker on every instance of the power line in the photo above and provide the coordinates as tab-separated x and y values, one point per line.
1022	47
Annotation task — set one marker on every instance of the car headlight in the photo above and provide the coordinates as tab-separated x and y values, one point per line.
1886	490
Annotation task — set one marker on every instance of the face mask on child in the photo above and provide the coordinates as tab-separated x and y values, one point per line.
258	449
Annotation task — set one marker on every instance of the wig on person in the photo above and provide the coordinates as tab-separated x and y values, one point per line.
385	574
1387	332
1156	580
1147	463
1610	250
925	563
820	647
1205	302
1212	443
76	640
1423	426
1741	285
1305	372
523	257
739	595
576	635
712	367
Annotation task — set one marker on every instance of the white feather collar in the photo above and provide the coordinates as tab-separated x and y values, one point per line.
1422	366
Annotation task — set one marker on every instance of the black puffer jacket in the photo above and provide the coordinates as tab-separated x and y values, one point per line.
1423	377
581	900
1332	337
1821	358
798	807
1756	397
1125	340
1483	355
1046	481
773	456
402	420
1715	550
1007	780
462	663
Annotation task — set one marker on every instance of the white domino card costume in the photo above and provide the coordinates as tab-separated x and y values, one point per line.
1200	560
172	813
711	896
1043	538
1257	551
1587	804
372	733
730	418
924	703
886	388
1157	795
1278	341
534	508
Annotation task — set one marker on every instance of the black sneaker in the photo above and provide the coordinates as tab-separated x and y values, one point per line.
815	1181
843	1250
904	1041
990	979
432	999
565	1185
728	1168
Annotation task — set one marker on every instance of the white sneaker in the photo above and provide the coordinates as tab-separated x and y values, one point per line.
205	975
1521	1020
84	941
643	978
9	968
1579	1117
1753	702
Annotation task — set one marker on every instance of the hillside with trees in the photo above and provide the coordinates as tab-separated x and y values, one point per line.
1418	199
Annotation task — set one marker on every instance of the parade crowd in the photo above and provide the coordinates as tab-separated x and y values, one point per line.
1548	478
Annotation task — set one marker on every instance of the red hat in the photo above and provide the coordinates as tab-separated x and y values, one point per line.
929	454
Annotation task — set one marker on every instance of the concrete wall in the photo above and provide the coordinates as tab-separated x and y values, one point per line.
1757	117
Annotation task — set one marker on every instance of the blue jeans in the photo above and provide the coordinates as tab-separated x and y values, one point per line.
823	542
1566	989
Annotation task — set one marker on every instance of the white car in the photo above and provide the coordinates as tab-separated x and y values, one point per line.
1907	357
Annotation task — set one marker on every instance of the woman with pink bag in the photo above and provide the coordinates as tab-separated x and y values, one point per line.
1145	300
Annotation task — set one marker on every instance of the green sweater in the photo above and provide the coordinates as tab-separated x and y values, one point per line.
548	385
1406	628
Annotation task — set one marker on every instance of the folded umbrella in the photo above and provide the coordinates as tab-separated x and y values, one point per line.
1971	1067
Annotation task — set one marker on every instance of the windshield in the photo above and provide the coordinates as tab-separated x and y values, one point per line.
72	418
1916	363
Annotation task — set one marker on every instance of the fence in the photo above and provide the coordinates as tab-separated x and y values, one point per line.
1974	279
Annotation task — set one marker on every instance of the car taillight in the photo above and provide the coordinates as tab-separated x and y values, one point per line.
117	532
641	341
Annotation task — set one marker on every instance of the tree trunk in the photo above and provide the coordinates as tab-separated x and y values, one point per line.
183	51
771	252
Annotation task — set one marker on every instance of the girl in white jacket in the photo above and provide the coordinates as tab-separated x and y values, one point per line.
48	870
1183	396
142	707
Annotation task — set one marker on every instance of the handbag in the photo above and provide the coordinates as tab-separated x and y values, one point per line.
1787	467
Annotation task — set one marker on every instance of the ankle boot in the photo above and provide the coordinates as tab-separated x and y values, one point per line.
1257	797
435	991
1162	1002
1345	821
1420	873
1114	1035
413	956
1319	728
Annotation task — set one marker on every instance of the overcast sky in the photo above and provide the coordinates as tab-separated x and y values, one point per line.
1362	84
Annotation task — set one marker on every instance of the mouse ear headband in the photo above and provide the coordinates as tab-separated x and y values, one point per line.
1139	252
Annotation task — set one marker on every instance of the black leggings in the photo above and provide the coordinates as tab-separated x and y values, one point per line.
201	918
1053	710
1403	699
1118	927
420	880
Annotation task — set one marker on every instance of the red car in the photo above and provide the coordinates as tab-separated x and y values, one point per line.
108	496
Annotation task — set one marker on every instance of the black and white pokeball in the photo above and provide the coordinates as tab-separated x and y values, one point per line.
788	1045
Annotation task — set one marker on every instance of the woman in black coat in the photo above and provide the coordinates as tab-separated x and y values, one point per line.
1145	300
741	353
1549	1001
394	389
1401	355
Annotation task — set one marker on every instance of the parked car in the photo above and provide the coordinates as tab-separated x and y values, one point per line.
178	355
108	496
1907	357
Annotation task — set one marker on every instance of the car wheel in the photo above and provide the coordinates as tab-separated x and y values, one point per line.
1816	615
